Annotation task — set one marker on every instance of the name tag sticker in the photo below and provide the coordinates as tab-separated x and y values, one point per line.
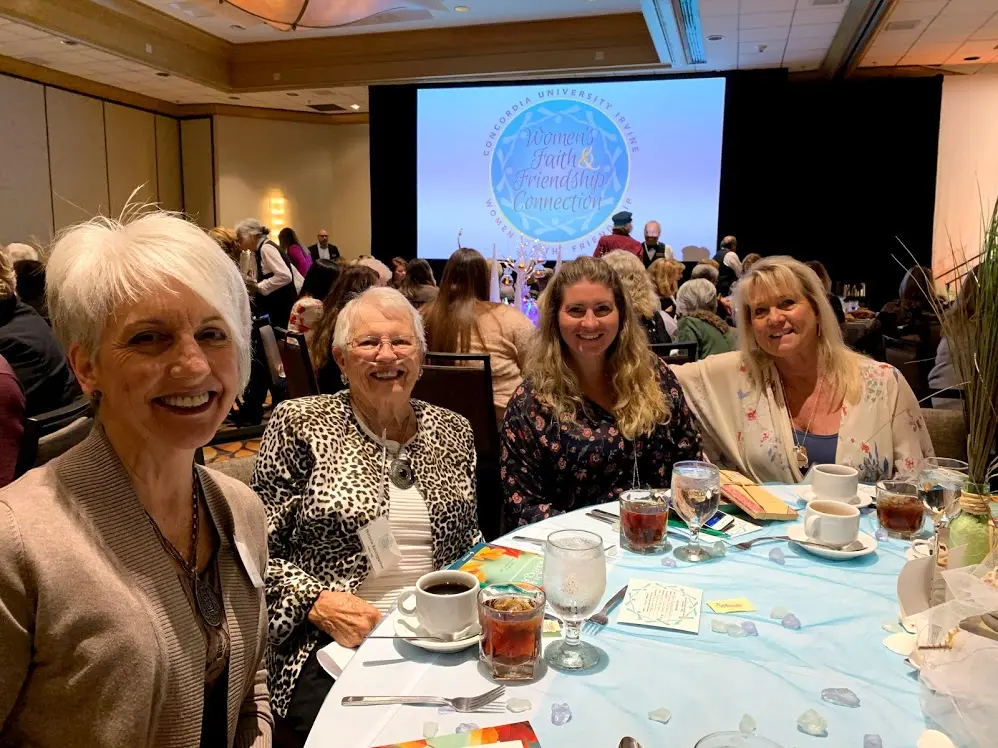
379	545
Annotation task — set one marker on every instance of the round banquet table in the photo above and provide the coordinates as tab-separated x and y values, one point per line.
708	681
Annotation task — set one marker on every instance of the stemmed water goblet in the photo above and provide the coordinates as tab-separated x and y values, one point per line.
940	484
696	494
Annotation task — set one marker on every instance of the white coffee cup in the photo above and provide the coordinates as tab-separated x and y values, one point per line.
439	609
836	482
832	522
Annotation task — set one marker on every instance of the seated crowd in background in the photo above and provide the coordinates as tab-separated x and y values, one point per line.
640	292
696	306
418	284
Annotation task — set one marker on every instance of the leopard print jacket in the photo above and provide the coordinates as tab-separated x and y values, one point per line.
319	478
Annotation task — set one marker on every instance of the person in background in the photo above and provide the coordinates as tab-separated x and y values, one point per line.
273	289
641	294
598	413
323	475
538	283
729	266
651	248
620	238
398	272
826	281
226	239
31	285
17	251
322	249
32	351
384	274
290	246
129	615
705	269
750	259
795	395
12	404
944	374
353	281
418	284
911	316
461	319
696	304
307	310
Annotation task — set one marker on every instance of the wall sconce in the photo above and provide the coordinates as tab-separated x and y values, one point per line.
278	211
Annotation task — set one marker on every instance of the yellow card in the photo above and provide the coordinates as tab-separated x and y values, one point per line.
551	628
734	605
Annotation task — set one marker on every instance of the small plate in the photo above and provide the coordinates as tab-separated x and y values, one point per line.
796	533
860	500
409	626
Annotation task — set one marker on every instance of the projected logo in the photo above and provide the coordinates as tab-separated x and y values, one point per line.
559	170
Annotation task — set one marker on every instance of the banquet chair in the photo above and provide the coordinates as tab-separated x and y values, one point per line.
462	382
675	353
298	370
268	337
48	435
948	432
902	354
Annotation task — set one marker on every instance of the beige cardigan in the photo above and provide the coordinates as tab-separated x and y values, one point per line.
98	643
506	336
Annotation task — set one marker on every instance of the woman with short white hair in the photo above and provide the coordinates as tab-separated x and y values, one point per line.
696	305
131	601
275	281
333	465
795	395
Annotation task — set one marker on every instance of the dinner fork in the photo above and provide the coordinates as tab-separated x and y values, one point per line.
459	704
602	619
745	545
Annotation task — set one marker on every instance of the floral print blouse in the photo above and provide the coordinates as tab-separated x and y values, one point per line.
549	468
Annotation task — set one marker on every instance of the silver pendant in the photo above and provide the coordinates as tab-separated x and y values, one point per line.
401	475
801	454
208	603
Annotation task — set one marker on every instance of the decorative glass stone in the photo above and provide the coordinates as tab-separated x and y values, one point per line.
889	627
881	535
777	557
873	741
670	562
660	715
747	724
840	697
430	729
750	628
718	549
812	723
718	626
561	714
466	727
445	710
779	612
790	621
518	705
735	631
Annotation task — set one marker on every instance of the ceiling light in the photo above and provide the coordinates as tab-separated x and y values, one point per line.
234	98
971	59
237	27
461	8
355	107
290	15
715	38
70	42
163	75
292	93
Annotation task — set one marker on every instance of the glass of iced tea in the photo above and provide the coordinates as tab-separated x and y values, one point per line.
512	618
899	508
644	521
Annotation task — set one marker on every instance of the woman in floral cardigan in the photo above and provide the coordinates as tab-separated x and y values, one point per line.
795	395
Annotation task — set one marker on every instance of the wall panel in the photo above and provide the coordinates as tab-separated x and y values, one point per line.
131	156
171	193
25	189
77	156
198	170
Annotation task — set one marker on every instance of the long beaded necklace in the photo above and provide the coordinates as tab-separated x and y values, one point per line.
205	596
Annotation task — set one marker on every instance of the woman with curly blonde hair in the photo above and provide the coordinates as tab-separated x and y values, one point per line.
640	291
598	413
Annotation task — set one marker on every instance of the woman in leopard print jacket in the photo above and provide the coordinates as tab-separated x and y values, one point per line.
330	465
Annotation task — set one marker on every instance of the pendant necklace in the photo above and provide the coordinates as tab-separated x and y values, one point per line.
208	602
400	471
800	450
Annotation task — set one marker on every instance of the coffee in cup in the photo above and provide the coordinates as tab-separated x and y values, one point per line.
831	522
444	602
835	482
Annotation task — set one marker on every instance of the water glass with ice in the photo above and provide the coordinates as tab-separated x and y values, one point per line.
696	493
574	582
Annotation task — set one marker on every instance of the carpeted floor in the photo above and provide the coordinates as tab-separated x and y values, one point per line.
223	452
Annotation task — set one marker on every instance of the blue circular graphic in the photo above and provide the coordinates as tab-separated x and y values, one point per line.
559	170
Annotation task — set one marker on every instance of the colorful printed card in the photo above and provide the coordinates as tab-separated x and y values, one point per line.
496	564
518	735
663	606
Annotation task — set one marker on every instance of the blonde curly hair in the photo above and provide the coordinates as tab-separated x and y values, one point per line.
638	287
666	274
639	403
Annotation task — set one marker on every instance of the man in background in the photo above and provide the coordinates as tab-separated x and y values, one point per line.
729	266
620	238
323	250
651	249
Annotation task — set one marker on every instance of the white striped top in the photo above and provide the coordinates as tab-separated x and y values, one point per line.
409	520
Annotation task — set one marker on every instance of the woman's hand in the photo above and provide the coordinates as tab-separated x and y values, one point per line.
343	616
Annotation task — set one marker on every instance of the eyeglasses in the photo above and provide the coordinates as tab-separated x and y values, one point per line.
370	346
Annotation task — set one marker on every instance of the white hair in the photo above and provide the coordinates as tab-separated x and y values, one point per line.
389	302
17	252
379	267
100	265
704	270
8	280
251	227
695	295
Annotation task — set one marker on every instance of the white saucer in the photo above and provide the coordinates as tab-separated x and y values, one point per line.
796	533
409	626
860	500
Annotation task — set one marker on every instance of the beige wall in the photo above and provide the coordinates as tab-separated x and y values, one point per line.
967	167
198	171
322	171
68	157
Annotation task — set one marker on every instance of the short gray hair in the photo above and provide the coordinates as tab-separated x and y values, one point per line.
17	251
100	265
377	266
696	295
251	227
389	302
703	270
